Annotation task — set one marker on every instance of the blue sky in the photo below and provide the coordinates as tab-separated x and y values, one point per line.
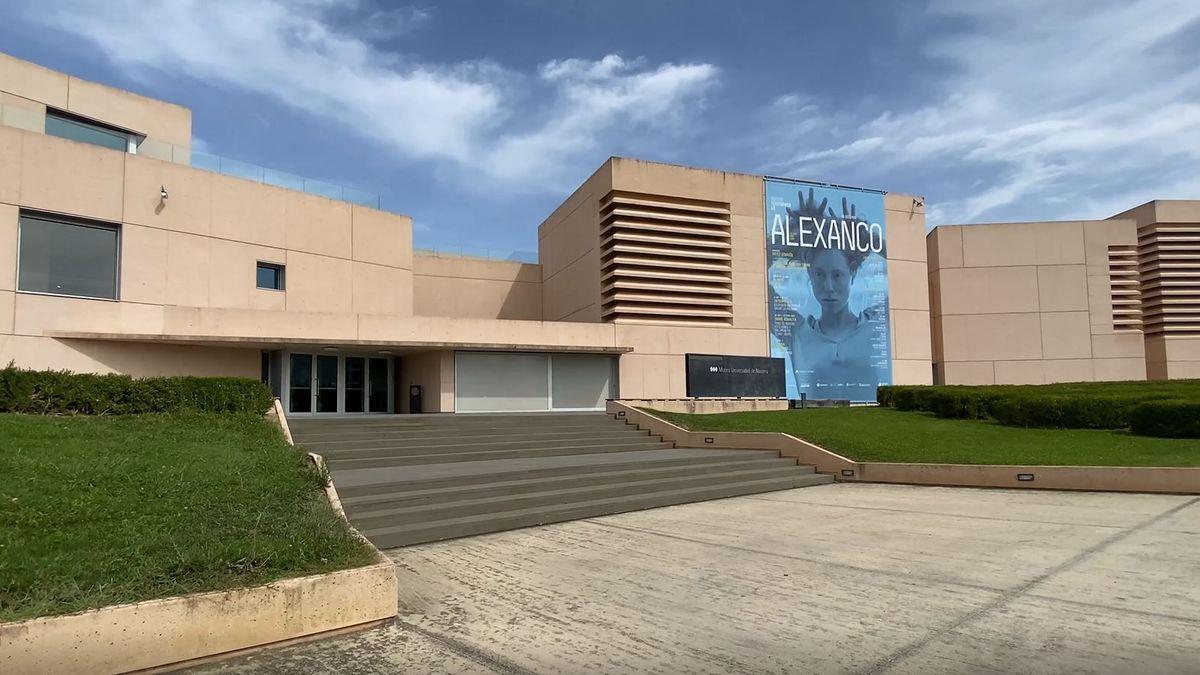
478	118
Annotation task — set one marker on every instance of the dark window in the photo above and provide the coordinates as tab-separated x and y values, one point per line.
356	383
67	257
327	384
72	127
377	379
270	276
300	379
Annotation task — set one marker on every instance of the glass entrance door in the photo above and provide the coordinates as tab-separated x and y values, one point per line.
300	376
356	384
377	384
327	383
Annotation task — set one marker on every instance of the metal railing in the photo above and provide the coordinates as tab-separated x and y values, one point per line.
442	251
35	121
254	172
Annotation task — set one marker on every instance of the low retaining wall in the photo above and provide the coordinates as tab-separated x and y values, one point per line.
1175	480
787	446
707	406
171	631
121	638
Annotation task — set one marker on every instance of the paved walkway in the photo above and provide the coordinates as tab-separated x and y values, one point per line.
839	578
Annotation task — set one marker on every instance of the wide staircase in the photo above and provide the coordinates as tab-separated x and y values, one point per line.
407	479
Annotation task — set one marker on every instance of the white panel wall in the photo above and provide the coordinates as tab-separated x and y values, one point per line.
505	382
580	381
496	382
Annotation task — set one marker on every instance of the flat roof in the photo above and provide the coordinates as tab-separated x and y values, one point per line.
259	342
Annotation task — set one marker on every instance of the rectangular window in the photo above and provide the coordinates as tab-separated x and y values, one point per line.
356	383
75	128
270	276
327	383
377	384
65	256
300	381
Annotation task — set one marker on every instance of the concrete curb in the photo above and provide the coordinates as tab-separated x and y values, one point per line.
281	420
1169	480
788	446
173	632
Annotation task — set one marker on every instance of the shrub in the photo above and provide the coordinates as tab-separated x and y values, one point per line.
1063	411
959	404
1079	405
63	392
953	402
1166	419
905	398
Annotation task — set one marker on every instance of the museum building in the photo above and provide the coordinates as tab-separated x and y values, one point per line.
123	250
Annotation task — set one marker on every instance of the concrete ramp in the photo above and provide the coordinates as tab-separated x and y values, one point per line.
417	478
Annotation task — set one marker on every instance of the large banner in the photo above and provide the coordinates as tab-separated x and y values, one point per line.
828	289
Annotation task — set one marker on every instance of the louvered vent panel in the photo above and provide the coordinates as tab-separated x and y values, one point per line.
1125	288
665	260
1169	267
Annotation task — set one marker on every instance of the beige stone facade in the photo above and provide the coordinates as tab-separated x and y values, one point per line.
1168	233
574	279
1025	302
1030	303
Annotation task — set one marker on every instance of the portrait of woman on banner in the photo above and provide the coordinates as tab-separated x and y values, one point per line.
828	299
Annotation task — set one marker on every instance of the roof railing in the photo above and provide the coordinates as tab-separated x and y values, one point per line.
35	120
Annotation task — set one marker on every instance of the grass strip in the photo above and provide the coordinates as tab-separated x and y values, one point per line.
97	511
870	434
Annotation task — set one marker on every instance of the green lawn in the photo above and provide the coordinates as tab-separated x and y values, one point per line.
871	434
102	510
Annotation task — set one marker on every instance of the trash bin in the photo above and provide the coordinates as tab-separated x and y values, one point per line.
414	398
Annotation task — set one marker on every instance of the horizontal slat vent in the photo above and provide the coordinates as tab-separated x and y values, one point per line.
1124	288
1169	278
665	260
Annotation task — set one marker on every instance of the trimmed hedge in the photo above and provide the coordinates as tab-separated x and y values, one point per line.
949	401
1084	405
1166	419
49	392
1063	411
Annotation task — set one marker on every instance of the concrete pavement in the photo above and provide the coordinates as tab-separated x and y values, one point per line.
839	578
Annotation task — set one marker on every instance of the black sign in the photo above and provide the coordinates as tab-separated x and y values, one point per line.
714	376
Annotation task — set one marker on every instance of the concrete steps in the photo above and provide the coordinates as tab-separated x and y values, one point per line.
400	512
403	535
358	459
449	444
416	478
416	493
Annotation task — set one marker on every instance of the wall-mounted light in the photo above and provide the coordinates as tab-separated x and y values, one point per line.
329	349
1025	477
162	193
384	352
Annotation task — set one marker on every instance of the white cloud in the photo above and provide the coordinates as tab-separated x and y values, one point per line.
595	95
386	24
1071	107
465	113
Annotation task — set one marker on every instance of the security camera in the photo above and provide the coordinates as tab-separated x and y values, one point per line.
162	193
